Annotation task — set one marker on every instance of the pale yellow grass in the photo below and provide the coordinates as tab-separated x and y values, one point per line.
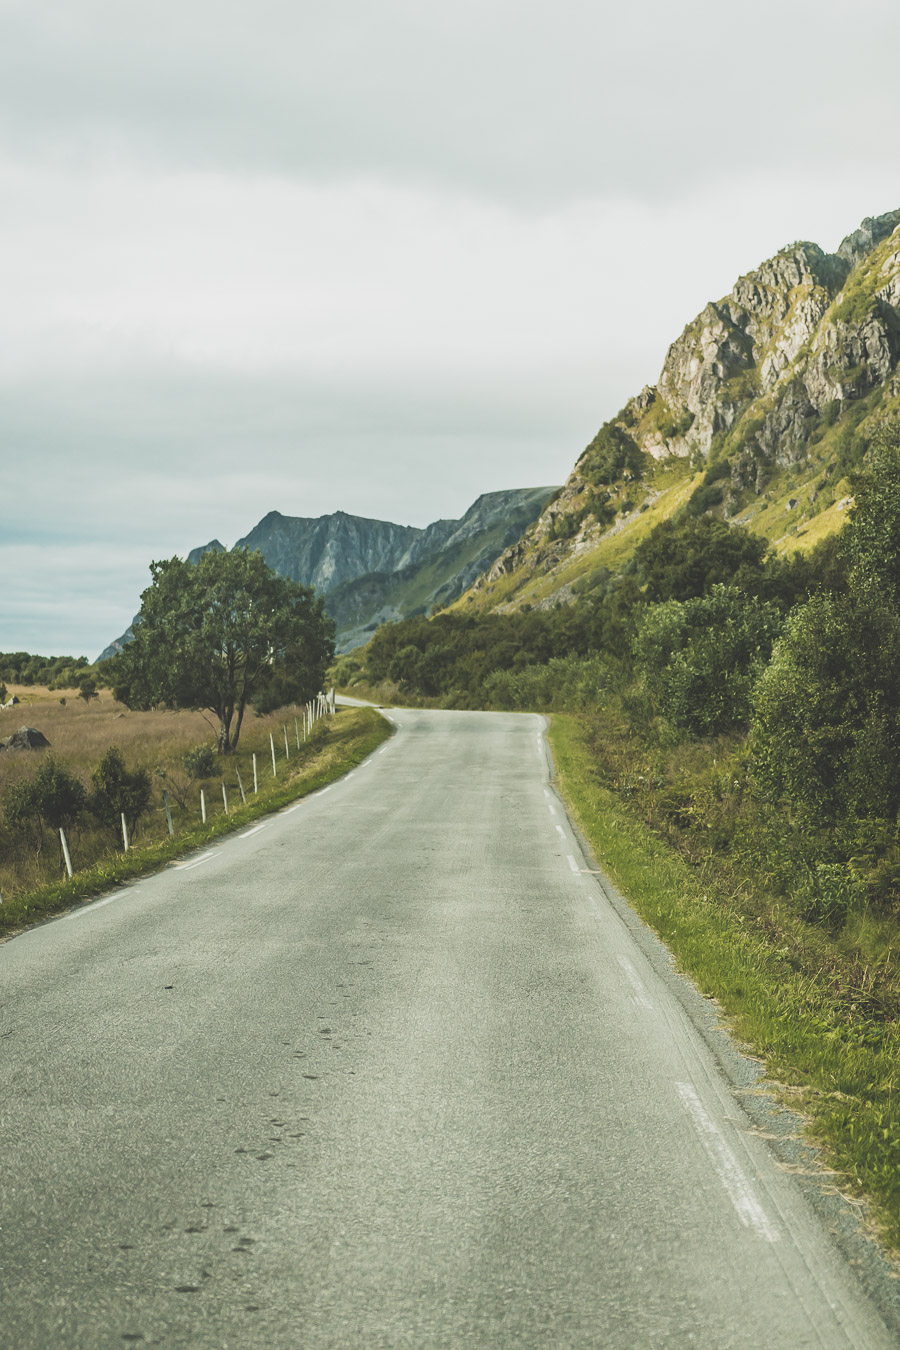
79	736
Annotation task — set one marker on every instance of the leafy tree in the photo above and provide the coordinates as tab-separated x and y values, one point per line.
87	688
54	799
683	558
826	724
611	454
872	536
221	634
700	657
116	791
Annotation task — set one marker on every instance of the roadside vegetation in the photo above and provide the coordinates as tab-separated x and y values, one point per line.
104	760
729	740
108	785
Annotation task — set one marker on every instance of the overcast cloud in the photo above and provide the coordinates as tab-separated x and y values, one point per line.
378	258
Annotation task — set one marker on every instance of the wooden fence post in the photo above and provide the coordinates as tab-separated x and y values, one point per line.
168	812
65	849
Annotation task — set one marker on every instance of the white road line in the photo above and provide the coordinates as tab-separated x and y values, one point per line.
256	829
561	830
740	1192
186	867
636	983
98	904
573	864
551	808
546	792
381	752
287	811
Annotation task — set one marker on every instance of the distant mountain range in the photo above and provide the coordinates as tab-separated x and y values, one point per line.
371	571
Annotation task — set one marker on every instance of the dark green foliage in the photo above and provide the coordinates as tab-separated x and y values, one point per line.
562	682
872	539
221	634
704	498
87	688
852	439
53	799
685	557
117	791
57	672
700	657
826	725
452	654
201	762
610	456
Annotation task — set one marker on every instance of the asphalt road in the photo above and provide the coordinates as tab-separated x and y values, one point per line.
389	1071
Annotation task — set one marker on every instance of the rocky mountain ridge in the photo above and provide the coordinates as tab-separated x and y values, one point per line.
758	405
371	570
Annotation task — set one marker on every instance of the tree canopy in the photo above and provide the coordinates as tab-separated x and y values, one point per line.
221	634
685	557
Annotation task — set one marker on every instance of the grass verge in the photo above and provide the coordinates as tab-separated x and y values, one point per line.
840	1071
339	745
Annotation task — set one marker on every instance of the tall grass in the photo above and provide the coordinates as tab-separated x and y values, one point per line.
32	878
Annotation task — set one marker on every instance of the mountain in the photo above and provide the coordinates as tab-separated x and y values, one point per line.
327	550
371	570
437	568
763	406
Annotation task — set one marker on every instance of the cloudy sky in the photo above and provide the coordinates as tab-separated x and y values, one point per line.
376	257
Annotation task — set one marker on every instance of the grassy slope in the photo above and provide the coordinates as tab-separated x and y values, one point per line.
336	746
842	1075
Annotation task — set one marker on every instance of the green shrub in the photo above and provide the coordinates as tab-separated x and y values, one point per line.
54	799
201	762
117	792
699	658
684	557
610	455
826	719
569	682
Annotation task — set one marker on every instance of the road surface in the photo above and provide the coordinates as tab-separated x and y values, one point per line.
389	1070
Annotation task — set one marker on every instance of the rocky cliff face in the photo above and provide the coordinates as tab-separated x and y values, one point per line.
326	550
805	330
805	345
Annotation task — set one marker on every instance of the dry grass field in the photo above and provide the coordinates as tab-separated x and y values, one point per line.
80	734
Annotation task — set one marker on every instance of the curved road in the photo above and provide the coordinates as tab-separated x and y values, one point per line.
388	1070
